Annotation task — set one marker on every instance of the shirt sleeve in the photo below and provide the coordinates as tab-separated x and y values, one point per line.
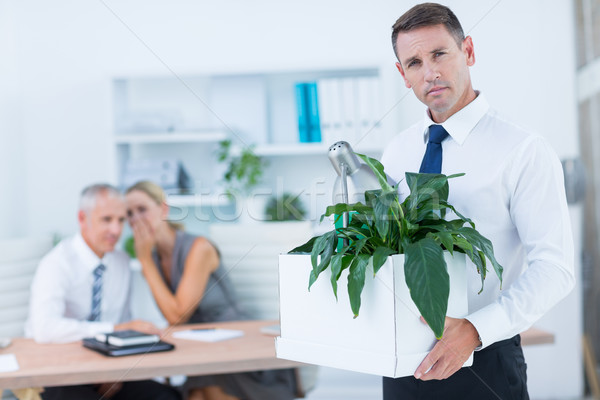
47	322
539	211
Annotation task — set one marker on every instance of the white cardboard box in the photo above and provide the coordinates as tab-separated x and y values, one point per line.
387	338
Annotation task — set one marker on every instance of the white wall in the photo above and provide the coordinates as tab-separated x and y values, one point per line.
67	51
13	216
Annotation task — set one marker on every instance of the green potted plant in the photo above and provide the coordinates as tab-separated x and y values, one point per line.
286	207
384	226
129	247
244	170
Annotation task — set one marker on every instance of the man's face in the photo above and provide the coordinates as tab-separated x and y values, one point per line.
437	69
101	227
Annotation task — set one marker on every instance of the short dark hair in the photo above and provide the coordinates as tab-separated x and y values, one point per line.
428	14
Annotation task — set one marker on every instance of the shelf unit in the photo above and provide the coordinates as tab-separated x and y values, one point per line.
170	137
197	200
184	118
303	149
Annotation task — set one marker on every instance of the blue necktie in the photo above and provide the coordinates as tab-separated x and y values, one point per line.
432	160
97	293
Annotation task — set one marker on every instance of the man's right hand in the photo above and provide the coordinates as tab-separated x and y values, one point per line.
139	325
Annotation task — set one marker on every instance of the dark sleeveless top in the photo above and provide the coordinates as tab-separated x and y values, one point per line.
218	302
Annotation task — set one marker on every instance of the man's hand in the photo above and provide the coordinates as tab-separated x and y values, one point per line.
450	353
139	325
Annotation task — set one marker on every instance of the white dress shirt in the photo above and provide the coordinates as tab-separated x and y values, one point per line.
513	191
61	293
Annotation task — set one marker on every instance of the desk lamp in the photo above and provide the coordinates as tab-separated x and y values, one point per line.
354	177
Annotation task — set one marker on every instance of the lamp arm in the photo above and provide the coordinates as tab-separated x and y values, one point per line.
345	219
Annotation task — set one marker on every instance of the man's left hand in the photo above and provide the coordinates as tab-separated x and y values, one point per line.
450	353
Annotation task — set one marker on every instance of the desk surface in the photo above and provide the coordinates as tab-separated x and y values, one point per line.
72	364
533	336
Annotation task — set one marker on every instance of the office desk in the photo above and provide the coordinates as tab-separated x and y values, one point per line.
72	364
533	336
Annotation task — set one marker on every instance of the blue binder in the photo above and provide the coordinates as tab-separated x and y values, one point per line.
302	109
314	123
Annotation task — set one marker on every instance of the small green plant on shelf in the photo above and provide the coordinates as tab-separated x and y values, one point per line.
129	246
384	226
244	171
287	207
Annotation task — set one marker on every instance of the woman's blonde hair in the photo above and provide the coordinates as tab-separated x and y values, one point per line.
157	194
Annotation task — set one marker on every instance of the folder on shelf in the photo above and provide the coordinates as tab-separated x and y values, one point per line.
302	108
331	99
314	124
348	99
325	110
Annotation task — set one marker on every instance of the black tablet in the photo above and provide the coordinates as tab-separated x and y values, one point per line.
117	351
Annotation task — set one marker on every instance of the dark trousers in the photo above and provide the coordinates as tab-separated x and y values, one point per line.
498	373
138	390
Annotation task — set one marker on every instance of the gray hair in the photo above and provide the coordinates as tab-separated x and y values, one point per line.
89	195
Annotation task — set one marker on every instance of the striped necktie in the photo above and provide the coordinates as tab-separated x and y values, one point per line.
432	160
97	293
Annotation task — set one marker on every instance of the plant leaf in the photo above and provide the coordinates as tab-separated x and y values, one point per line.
428	281
339	262
360	244
380	257
356	280
305	248
340	208
377	169
422	184
484	244
385	212
479	260
371	195
324	246
462	217
443	237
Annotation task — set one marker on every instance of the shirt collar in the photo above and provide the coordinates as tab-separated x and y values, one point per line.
89	259
462	122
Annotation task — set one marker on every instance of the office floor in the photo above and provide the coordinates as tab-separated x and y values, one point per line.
335	384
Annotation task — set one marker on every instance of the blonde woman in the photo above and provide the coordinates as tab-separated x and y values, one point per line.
189	285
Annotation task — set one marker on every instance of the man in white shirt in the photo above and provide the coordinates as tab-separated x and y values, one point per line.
513	191
69	301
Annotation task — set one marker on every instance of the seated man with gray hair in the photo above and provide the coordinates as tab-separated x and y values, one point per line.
82	288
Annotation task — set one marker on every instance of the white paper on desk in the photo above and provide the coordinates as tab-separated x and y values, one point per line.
8	363
208	335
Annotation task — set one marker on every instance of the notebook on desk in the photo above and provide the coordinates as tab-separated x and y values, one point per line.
117	351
